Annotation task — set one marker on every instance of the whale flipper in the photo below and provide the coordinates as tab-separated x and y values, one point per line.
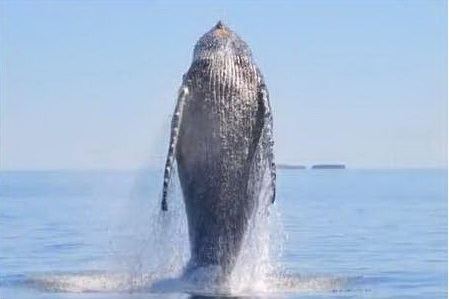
175	126
267	135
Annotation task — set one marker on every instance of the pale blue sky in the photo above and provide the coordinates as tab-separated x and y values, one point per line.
91	85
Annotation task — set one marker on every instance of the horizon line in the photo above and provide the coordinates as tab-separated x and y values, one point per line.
416	168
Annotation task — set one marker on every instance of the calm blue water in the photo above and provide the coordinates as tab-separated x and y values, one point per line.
335	233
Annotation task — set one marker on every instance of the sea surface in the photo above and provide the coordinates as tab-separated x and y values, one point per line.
330	234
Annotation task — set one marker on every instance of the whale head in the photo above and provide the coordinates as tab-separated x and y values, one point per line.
221	41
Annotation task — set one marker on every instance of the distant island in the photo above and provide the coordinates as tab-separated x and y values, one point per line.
290	166
329	166
316	166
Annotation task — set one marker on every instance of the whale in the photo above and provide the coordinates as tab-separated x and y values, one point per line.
221	141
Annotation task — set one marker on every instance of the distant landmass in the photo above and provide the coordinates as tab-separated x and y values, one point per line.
290	166
329	166
316	166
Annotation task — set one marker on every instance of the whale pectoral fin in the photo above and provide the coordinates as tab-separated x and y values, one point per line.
268	142
174	134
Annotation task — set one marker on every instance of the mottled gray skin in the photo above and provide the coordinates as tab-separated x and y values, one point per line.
222	141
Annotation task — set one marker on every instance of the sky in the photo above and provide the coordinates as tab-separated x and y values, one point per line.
92	85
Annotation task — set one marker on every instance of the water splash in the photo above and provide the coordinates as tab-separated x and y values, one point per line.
151	251
151	241
262	247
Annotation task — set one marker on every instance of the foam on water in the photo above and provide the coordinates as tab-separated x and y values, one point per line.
153	283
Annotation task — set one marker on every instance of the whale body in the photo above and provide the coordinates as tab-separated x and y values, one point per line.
222	142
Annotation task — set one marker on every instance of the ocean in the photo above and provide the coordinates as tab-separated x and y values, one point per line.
330	234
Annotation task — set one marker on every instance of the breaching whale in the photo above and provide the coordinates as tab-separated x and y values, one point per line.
222	142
